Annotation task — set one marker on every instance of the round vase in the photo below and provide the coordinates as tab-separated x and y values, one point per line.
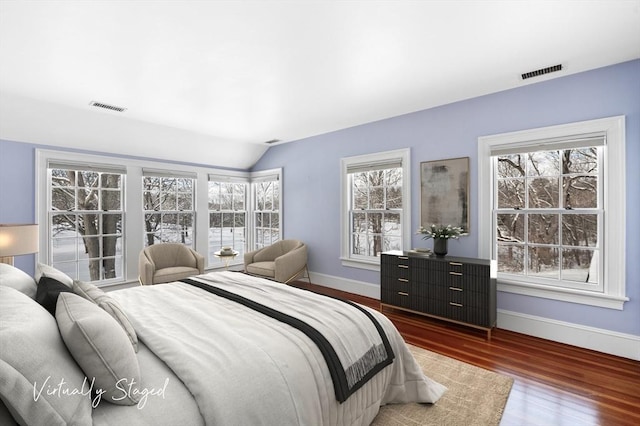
440	246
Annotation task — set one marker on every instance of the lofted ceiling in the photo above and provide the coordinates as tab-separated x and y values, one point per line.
210	81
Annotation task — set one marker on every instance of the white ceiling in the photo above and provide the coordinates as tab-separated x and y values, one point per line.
209	82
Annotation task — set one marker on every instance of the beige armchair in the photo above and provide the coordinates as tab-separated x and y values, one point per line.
166	262
282	261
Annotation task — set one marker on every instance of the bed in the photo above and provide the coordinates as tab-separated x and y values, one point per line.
222	348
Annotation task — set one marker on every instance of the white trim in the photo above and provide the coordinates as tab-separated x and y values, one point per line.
614	257
405	156
350	286
597	339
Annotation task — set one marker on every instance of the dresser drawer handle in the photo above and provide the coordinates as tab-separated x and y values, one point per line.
455	289
403	257
455	273
455	304
403	280
402	293
455	264
403	266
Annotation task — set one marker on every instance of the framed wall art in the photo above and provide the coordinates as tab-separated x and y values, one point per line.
444	193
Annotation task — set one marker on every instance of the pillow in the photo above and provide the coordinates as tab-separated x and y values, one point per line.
33	355
48	291
11	276
108	303
43	270
100	347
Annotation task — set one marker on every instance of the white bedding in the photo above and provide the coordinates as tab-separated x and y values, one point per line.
244	368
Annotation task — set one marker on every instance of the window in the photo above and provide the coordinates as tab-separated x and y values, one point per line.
168	203
547	216
555	203
266	210
85	218
375	207
98	212
227	214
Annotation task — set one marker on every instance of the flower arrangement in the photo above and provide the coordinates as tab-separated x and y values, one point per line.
440	231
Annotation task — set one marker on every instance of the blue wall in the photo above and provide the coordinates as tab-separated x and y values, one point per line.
311	176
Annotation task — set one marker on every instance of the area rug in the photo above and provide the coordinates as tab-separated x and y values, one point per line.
475	396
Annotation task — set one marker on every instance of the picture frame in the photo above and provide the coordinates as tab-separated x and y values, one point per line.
444	193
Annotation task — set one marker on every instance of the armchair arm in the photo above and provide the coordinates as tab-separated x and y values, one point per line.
199	260
146	269
249	256
290	264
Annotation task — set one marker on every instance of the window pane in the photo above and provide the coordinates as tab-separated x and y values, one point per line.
64	249
543	262
377	198
360	198
511	193
111	199
393	177
391	225
580	230
577	266
109	180
511	228
511	166
543	228
394	197
543	193
584	160
359	222
580	191
543	163
511	258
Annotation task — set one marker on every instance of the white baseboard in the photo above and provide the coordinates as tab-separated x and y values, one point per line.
597	339
350	286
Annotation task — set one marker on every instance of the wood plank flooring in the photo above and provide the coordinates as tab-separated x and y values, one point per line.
555	384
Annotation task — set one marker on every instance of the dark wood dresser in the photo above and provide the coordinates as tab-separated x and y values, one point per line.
456	289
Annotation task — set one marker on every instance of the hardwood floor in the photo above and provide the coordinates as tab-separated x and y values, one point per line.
555	384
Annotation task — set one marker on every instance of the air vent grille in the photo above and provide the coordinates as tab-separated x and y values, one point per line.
542	71
107	106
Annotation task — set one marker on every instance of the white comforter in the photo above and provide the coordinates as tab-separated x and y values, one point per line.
244	368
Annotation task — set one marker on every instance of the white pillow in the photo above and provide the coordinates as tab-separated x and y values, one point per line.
109	304
43	270
32	352
100	347
11	276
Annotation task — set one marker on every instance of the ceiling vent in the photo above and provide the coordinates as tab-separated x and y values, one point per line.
542	71
107	106
272	141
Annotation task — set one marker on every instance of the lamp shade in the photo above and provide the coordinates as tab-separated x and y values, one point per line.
16	240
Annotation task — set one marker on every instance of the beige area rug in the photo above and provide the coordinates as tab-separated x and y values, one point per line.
475	396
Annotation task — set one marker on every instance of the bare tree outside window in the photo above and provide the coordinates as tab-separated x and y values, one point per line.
266	213
169	214
547	214
376	210
86	223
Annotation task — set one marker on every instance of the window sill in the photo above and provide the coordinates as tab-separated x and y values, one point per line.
563	294
370	265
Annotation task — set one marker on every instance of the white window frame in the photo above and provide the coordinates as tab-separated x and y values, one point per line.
233	179
614	205
133	203
404	156
84	167
262	176
168	174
